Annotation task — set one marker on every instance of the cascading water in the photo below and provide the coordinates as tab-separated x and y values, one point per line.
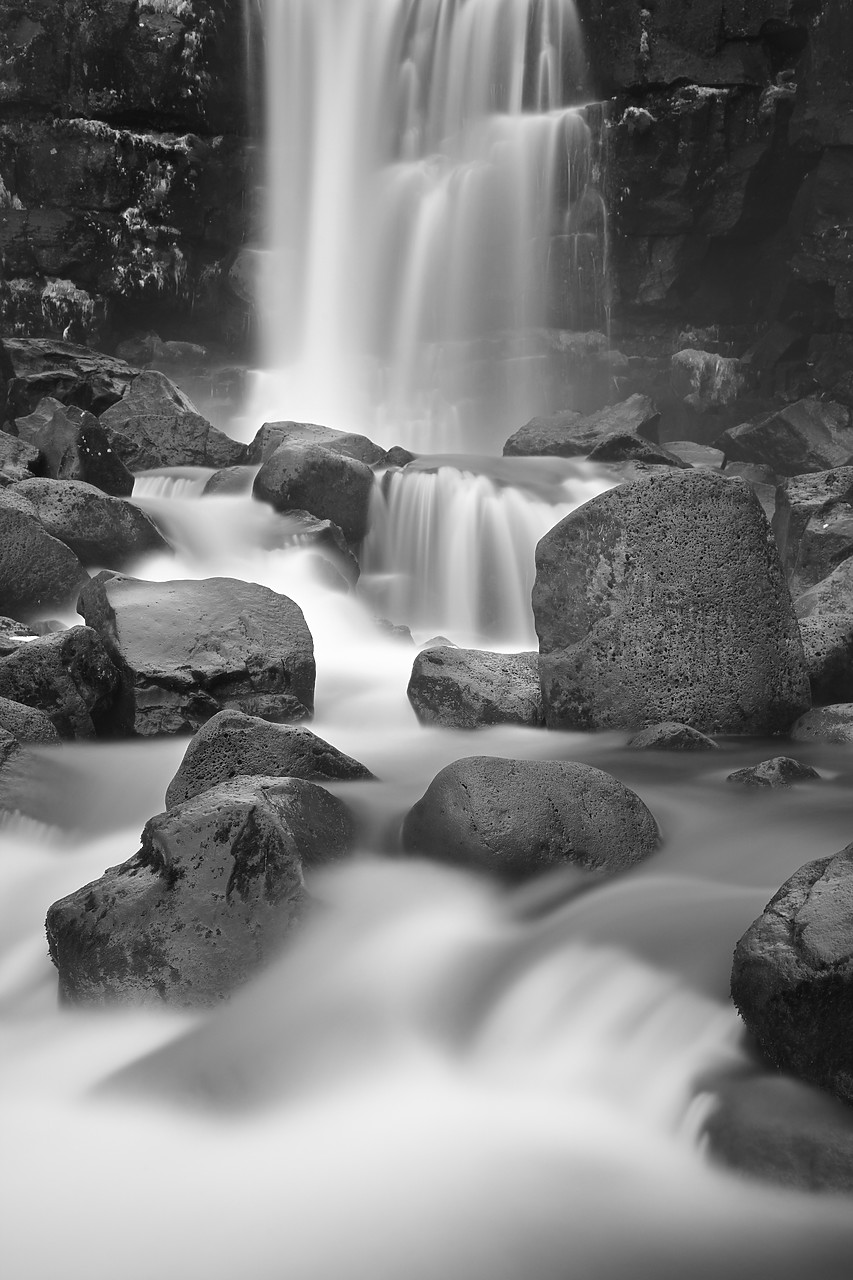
428	181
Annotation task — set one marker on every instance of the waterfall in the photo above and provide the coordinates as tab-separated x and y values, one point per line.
430	189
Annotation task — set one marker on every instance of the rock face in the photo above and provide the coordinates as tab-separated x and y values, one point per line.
781	771
155	425
186	650
232	744
516	818
69	676
671	736
825	613
813	525
99	529
791	978
37	571
312	478
210	896
811	435
467	688
664	599
274	434
572	435
74	446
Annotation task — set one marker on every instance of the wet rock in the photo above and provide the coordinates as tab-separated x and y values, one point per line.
274	434
37	571
211	896
825	724
156	425
27	724
791	978
69	676
809	435
327	539
813	525
63	371
516	818
781	771
74	446
572	435
309	477
671	736
399	457
825	613
230	480
705	380
664	599
99	529
467	688
696	455
186	650
628	447
18	459
233	744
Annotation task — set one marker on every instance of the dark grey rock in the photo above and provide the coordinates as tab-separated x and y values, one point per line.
664	599
188	649
28	724
309	477
813	525
18	459
825	724
69	676
37	571
671	736
327	539
516	818
156	425
230	480
696	455
99	529
626	446
211	895
397	456
73	445
274	434
233	744
825	613
572	435
781	771
66	372
809	435
467	688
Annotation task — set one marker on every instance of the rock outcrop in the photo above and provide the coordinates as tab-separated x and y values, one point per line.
468	688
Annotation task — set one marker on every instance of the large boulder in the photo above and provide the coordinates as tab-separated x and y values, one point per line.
233	744
274	434
37	572
309	477
188	649
572	435
467	688
74	446
813	525
809	435
825	613
99	529
792	978
66	372
211	895
156	425
663	599
69	676
516	818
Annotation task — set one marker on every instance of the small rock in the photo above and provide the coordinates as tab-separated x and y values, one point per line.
230	480
781	771
467	688
671	736
399	457
394	630
825	724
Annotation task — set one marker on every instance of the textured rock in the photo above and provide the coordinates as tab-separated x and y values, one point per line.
792	978
781	771
696	455
664	599
516	818
230	480
69	676
328	485
9	747
156	425
63	371
467	688
326	539
572	435
74	446
274	434
99	529
18	459
188	649
627	447
233	744
810	435
27	724
814	525
671	736
37	572
705	380
825	613
825	724
210	896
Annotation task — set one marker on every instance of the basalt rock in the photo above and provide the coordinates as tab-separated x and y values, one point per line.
210	897
572	435
825	613
516	818
309	477
100	530
814	525
781	771
808	436
74	446
156	425
467	688
18	460
274	434
628	447
232	744
74	375
664	599
37	572
188	649
28	725
69	676
792	978
671	736
825	724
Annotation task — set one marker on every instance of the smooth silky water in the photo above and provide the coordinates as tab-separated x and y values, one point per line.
438	1079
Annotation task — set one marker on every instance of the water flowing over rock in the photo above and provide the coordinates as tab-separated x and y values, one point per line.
73	445
188	649
233	744
100	529
211	895
517	818
664	599
467	688
69	675
309	477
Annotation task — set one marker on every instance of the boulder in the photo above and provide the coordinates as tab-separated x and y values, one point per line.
74	446
697	455
671	736
37	571
64	371
705	380
18	459
156	425
309	477
572	435
762	480
809	435
813	525
69	676
232	744
516	818
99	529
28	725
188	649
663	599
397	456
825	724
781	771
326	539
210	896
792	978
230	480
825	613
467	688
627	446
274	434
11	634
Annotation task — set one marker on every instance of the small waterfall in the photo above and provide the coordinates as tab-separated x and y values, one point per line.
428	183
